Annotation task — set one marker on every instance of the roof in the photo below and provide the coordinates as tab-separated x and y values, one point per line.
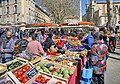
41	9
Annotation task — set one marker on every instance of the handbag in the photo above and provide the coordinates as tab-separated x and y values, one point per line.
87	74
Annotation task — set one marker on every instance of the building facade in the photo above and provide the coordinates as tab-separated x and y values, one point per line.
41	16
70	19
18	11
97	12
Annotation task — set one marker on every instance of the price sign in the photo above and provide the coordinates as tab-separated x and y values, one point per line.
31	73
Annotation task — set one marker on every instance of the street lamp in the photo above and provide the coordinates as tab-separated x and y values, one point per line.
80	11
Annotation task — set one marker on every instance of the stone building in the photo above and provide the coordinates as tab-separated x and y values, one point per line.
19	11
97	12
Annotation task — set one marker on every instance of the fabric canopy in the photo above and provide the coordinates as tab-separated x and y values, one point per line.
44	25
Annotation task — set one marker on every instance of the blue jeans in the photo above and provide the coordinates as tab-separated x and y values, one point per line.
4	60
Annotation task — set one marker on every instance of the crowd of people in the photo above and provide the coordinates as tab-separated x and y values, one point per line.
93	41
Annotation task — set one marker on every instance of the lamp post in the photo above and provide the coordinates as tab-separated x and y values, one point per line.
80	11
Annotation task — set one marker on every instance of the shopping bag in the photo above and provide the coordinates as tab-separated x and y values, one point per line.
87	74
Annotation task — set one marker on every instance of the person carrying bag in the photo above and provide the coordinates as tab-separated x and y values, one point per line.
87	73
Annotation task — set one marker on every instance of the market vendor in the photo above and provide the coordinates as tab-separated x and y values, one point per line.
34	46
50	41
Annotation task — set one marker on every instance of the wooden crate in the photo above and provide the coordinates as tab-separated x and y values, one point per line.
63	62
6	78
23	61
47	76
12	76
56	79
3	69
35	60
58	66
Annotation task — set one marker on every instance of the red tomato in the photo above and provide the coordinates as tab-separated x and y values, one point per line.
24	70
43	79
27	67
19	73
47	80
58	82
23	76
40	76
24	80
16	75
20	78
38	80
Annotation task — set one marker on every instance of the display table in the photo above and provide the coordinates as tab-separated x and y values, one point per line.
75	78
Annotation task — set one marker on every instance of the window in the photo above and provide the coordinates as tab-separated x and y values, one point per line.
8	1
29	11
15	1
0	1
116	6
15	9
0	18
8	19
7	10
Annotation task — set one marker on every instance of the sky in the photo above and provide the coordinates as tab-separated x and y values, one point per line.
84	2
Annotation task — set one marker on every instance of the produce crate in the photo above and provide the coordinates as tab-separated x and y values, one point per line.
35	60
46	76
64	61
63	69
54	80
5	78
17	73
21	60
3	69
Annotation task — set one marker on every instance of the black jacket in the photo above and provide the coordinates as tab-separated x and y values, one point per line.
48	43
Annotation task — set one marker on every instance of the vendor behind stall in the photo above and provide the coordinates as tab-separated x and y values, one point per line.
50	42
34	46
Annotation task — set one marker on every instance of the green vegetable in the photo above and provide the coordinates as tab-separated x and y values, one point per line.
58	70
71	72
66	76
13	65
55	73
65	72
60	75
51	68
62	69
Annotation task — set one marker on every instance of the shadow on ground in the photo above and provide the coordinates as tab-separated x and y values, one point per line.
113	58
116	53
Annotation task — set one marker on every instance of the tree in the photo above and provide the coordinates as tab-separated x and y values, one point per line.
59	9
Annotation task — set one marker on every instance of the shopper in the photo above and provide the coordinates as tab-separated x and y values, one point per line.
23	43
34	46
98	56
112	38
7	47
39	36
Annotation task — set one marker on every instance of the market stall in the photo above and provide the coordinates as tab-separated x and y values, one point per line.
51	69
